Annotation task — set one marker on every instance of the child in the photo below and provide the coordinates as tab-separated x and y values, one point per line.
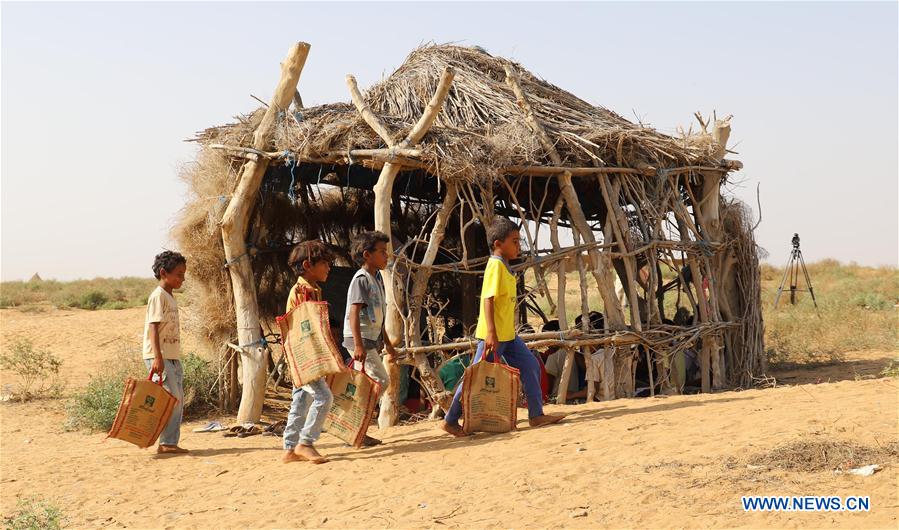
496	326
363	327
162	342
311	402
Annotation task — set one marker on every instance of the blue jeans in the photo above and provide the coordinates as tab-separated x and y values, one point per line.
517	354
173	382
308	411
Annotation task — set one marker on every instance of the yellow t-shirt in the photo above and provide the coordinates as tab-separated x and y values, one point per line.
312	293
499	284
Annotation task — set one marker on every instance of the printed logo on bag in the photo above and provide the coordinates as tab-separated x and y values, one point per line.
490	382
350	390
149	400
306	327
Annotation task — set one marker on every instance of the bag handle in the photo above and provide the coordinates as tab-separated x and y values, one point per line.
150	378
496	356
353	363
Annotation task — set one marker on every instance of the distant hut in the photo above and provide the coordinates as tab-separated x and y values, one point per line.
430	155
35	278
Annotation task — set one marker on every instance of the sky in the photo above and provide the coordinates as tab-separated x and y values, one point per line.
96	101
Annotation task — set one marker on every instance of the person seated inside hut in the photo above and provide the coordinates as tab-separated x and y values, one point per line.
577	383
551	325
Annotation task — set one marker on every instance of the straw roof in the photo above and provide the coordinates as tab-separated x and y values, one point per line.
480	128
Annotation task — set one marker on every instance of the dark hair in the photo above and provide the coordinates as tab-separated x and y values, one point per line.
552	325
167	261
500	229
682	317
366	242
312	250
456	331
597	320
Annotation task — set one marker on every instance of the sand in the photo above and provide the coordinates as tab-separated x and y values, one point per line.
665	462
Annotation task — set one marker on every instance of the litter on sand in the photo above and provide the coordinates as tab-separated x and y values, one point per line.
212	426
866	471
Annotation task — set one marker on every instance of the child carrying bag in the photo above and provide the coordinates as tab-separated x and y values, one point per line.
490	396
355	397
308	344
144	412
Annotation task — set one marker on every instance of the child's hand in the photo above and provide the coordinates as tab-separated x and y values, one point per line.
158	366
490	342
359	354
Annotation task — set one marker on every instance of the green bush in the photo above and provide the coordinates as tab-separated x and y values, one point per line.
38	371
200	377
32	513
94	407
91	300
872	301
87	294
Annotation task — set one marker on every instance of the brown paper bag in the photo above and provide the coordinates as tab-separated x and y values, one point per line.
490	396
144	412
308	344
355	397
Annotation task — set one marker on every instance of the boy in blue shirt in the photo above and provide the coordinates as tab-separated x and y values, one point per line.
366	306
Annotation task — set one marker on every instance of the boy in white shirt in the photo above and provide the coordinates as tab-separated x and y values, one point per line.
162	342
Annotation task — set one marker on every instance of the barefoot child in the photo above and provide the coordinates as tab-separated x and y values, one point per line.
496	326
311	402
162	342
363	328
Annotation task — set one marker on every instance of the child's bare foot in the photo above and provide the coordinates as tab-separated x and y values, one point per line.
171	450
546	419
307	452
290	456
453	428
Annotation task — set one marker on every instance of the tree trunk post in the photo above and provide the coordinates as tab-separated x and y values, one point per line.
234	227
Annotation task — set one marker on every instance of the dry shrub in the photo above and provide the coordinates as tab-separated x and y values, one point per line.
856	312
825	455
210	180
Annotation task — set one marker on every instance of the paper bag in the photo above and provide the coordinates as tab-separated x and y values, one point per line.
490	396
355	398
144	412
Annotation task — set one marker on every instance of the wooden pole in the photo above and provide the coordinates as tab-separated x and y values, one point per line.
619	227
585	324
383	189
234	226
601	264
562	312
420	285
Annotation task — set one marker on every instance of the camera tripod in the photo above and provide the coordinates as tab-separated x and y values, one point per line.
792	270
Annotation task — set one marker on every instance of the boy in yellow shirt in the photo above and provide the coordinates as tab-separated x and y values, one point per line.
496	326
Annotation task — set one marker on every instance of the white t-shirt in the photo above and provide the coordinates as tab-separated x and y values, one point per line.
162	308
554	364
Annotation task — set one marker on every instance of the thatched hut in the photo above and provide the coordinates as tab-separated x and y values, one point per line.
452	138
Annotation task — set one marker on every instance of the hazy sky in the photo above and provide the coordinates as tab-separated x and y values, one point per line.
98	98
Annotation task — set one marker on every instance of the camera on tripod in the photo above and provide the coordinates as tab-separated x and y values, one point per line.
796	267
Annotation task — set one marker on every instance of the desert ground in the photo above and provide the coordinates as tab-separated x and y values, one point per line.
680	461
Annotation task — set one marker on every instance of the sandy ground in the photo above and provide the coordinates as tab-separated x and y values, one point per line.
664	462
82	339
